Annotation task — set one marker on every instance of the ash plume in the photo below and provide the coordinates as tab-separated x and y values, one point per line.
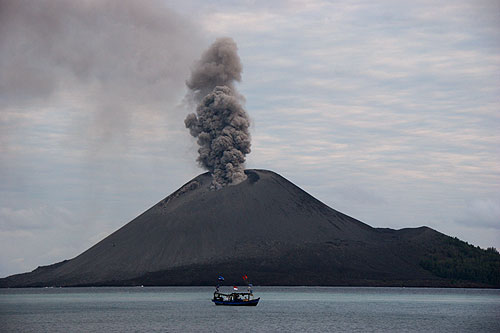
220	122
117	61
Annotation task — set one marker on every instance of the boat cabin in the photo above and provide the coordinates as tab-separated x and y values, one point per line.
234	299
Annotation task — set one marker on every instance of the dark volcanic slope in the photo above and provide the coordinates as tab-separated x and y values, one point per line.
265	227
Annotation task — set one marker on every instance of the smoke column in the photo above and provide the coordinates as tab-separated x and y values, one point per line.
220	123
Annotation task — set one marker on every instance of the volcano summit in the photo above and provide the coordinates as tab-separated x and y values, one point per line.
265	227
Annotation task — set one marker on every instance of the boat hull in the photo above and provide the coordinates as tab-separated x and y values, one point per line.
252	302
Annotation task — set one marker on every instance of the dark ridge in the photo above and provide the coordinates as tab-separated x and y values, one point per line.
57	264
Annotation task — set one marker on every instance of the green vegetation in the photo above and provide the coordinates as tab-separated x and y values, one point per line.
459	260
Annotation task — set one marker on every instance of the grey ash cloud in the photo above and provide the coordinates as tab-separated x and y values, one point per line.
117	58
220	124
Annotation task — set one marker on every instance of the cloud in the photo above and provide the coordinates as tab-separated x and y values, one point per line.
482	213
393	98
35	235
34	218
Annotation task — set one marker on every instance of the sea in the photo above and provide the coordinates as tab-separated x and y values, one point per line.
281	309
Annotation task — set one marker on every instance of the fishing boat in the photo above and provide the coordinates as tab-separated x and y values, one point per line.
235	299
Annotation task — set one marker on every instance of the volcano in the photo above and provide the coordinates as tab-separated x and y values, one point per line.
265	227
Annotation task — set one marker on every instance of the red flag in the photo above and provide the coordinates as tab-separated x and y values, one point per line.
235	288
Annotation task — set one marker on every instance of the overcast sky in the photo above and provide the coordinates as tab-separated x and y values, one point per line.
388	111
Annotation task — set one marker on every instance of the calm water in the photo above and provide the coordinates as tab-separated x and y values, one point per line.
312	309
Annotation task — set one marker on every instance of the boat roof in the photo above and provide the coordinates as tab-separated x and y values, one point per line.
236	293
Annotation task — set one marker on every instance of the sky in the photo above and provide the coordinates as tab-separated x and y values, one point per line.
387	111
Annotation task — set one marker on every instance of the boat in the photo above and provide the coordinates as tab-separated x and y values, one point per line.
235	299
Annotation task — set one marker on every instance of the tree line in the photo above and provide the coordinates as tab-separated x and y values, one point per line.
459	260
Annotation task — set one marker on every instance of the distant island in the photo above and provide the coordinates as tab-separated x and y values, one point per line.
271	230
